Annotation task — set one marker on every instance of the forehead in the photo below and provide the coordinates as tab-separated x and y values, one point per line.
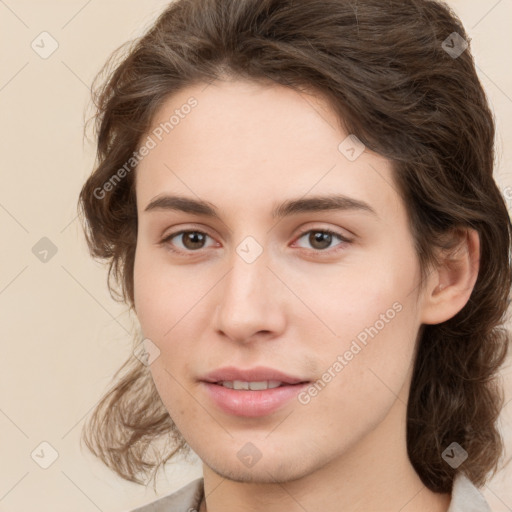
252	145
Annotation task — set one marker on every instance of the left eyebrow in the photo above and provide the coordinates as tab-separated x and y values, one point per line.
321	203
285	209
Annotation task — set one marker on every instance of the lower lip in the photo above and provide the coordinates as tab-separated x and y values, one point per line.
252	404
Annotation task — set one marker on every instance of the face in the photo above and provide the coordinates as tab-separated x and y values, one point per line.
267	285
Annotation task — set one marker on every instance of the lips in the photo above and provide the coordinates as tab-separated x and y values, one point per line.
252	392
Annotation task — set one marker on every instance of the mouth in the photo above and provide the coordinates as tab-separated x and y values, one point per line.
256	376
240	385
253	392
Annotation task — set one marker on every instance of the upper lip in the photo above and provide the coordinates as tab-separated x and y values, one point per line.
257	374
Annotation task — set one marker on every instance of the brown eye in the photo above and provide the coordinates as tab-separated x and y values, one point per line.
322	239
193	239
190	240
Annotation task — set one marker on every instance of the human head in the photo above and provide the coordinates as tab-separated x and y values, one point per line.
404	104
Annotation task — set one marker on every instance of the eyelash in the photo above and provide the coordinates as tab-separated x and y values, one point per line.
166	240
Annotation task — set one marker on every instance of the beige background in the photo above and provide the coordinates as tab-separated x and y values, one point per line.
62	335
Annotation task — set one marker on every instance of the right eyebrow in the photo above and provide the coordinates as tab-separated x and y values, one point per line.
183	204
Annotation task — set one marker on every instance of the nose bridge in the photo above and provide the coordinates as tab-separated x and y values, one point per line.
249	271
248	301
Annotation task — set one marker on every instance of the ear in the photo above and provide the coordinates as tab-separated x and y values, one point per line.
451	283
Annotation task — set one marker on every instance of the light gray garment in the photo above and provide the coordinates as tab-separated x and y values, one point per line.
465	498
186	499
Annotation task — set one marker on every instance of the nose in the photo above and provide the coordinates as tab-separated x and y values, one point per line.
251	305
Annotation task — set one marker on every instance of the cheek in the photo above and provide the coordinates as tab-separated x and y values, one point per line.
170	387
172	305
365	371
374	315
159	293
377	296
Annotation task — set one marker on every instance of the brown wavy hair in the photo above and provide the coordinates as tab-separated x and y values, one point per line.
384	70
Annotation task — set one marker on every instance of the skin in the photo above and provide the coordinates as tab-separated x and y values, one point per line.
245	148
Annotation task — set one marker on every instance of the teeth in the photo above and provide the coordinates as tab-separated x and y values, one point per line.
239	384
253	386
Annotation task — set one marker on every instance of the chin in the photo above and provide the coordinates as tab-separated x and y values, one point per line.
263	472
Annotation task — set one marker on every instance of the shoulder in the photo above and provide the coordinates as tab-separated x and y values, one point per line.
466	497
186	499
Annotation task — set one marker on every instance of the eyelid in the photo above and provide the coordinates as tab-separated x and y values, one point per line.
332	231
